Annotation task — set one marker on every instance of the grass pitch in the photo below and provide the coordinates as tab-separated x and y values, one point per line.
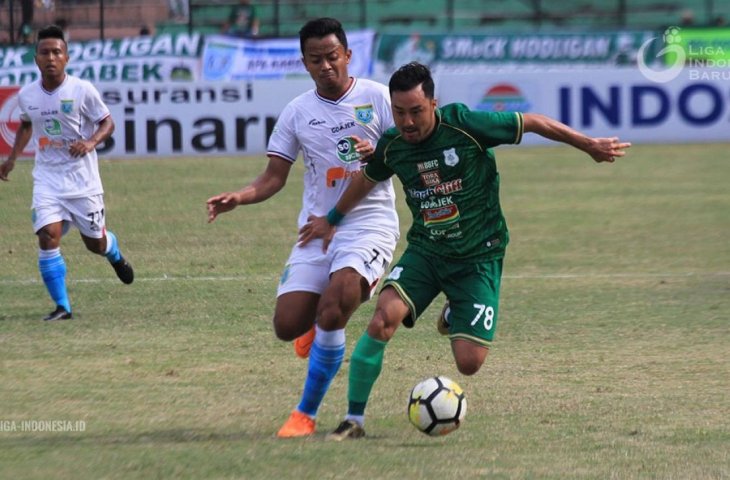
610	358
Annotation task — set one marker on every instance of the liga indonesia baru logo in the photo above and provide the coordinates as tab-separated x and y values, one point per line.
672	47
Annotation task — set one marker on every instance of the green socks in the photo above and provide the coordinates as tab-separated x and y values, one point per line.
365	366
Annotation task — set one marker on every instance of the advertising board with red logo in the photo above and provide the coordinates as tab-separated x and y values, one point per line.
9	120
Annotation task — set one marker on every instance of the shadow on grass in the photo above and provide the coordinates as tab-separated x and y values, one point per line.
174	436
160	436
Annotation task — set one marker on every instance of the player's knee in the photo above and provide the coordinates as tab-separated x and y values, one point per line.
48	238
469	356
468	367
287	328
283	333
95	245
331	317
381	327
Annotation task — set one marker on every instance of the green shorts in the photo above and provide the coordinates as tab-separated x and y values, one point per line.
471	288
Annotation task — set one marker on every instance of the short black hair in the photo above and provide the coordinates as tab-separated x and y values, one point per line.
51	31
321	27
411	75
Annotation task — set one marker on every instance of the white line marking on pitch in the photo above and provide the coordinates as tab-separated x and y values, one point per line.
241	278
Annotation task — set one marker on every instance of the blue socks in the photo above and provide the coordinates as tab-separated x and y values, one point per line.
325	358
112	248
53	271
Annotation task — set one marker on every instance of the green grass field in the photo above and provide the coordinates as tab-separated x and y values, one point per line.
610	359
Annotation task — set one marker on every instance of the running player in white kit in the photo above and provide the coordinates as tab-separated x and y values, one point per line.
335	127
66	119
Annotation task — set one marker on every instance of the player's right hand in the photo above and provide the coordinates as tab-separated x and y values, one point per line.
5	168
225	202
364	148
317	227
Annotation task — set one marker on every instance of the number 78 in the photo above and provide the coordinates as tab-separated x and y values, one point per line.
484	311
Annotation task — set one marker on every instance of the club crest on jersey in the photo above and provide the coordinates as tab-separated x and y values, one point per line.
450	157
67	106
364	114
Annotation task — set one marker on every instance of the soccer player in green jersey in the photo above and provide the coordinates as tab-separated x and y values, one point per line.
443	157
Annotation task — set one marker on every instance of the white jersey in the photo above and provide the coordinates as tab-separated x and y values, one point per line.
322	130
69	113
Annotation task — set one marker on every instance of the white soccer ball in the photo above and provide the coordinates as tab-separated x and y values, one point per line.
437	406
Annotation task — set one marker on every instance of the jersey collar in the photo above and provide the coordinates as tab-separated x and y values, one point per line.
353	81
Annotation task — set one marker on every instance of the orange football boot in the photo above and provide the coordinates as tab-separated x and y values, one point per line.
297	425
303	344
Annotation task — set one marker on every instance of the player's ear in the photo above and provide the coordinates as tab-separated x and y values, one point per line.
348	55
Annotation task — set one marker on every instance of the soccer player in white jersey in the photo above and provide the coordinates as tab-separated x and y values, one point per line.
335	127
66	119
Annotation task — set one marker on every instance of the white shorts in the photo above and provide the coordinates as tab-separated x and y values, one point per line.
309	270
85	213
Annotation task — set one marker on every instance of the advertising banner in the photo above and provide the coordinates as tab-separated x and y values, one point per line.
705	44
693	107
236	118
9	121
230	59
159	59
474	52
194	118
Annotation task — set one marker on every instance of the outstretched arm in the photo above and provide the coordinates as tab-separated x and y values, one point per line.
324	227
263	187
600	149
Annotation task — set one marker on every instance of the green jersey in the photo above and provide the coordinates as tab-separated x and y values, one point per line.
451	182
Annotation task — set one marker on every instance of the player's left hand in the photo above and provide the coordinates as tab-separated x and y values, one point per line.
607	149
81	147
317	227
364	148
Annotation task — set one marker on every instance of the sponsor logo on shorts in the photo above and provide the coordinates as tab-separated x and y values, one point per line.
284	275
395	273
